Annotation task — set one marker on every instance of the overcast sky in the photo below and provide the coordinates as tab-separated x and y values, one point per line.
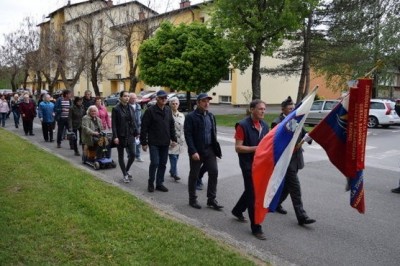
12	12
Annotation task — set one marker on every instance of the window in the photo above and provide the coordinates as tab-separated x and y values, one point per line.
118	60
100	23
201	19
225	99
228	75
118	76
317	105
77	28
121	42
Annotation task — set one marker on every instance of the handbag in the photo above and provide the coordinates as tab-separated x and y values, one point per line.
216	146
217	149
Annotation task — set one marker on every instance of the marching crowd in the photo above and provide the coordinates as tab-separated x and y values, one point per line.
163	131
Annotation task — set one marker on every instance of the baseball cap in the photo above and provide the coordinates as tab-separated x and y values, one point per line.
161	93
202	96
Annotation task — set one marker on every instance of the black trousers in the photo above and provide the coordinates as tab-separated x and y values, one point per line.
246	201
62	125
292	188
209	160
47	130
28	126
125	143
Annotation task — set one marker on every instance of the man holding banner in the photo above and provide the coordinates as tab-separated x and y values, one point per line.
291	182
249	132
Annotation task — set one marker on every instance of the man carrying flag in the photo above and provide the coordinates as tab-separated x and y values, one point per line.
249	132
272	158
291	181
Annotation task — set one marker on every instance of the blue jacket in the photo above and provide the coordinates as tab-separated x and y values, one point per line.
194	129
46	111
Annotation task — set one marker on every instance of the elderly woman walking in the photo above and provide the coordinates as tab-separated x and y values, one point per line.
4	109
27	110
175	150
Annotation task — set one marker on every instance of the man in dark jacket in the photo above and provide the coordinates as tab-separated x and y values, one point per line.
88	100
292	183
201	138
249	132
158	132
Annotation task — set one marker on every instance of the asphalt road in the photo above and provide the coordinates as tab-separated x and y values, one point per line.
341	236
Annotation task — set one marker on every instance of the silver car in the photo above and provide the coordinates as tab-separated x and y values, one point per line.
319	110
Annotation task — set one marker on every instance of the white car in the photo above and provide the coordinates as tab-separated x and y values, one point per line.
381	112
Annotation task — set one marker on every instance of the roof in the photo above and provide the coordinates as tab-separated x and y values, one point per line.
114	6
72	5
172	12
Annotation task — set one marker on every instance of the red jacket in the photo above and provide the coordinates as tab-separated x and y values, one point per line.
27	110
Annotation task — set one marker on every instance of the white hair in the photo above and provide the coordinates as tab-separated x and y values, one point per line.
174	99
94	107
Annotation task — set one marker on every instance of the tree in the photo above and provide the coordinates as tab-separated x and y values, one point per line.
301	50
256	28
190	58
131	28
16	50
360	32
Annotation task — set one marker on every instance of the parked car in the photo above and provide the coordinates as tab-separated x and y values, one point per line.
145	99
154	100
382	112
183	106
319	110
112	99
183	103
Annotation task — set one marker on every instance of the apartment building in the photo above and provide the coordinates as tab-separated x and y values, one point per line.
107	26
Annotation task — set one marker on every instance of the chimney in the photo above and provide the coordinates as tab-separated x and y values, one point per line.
184	3
142	15
109	3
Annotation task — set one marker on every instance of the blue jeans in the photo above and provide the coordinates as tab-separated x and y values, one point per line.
173	161
137	151
158	163
16	115
3	119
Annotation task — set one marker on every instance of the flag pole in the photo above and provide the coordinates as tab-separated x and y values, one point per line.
379	64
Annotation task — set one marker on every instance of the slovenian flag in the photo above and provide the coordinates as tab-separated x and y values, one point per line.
343	135
272	158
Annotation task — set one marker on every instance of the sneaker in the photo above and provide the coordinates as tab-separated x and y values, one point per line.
175	177
126	179
199	184
129	175
161	188
140	160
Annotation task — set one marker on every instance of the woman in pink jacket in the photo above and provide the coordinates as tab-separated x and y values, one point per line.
103	114
4	109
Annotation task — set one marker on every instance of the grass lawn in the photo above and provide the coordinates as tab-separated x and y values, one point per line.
231	120
53	213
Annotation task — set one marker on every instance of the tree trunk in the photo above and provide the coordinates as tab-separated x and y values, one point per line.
256	76
304	83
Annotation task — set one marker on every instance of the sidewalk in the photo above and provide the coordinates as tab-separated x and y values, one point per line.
219	224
